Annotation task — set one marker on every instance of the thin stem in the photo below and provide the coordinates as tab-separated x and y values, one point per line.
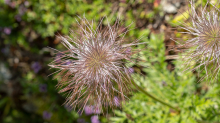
153	97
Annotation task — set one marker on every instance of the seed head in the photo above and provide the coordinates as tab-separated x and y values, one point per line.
204	47
93	68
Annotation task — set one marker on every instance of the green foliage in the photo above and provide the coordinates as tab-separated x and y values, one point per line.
48	17
196	101
32	26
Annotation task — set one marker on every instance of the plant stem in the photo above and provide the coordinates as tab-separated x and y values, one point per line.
153	97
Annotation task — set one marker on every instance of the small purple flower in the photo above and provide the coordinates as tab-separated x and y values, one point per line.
7	31
131	70
22	9
116	101
80	120
12	4
26	3
47	115
36	67
95	119
18	18
7	2
43	87
88	110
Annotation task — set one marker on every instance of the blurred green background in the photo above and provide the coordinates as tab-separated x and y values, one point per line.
28	94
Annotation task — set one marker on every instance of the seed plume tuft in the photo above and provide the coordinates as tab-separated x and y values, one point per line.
204	46
92	71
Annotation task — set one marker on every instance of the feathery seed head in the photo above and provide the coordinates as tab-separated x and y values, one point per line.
205	44
96	71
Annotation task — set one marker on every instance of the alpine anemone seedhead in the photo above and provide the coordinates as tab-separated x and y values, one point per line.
92	71
204	47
